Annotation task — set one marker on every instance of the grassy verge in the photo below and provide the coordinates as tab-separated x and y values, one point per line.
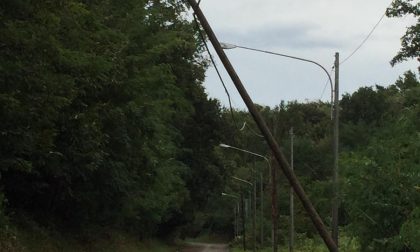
311	245
36	239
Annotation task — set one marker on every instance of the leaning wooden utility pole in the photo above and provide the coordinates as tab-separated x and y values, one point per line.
336	198
281	159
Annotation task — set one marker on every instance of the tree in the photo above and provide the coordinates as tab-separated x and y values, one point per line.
99	103
410	42
380	192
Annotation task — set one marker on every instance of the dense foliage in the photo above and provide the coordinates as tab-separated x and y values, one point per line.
104	119
105	124
381	171
410	42
379	164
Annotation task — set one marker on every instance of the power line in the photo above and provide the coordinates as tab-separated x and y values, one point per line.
332	91
323	90
251	129
325	86
216	68
367	37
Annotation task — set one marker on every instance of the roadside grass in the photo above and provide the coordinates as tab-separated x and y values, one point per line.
36	239
347	244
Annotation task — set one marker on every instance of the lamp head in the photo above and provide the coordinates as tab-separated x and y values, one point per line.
224	145
227	46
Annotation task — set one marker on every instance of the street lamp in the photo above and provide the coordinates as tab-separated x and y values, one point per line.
247	151
243	180
243	217
261	189
335	117
228	46
229	195
254	206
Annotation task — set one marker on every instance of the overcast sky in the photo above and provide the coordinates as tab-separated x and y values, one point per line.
307	29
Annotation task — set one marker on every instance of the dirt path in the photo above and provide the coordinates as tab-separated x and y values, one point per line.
205	247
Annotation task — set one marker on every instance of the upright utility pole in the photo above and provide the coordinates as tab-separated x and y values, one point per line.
292	209
238	219
274	206
272	143
243	221
336	199
235	227
274	211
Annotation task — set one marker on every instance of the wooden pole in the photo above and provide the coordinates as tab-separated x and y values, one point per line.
278	154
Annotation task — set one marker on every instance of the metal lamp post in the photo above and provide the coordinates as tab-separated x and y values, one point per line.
235	212
253	203
261	187
335	116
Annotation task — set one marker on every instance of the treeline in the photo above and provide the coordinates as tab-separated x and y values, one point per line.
379	166
104	121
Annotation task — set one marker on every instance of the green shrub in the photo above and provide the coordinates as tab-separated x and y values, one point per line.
8	241
410	231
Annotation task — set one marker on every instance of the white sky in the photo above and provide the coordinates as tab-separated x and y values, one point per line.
307	29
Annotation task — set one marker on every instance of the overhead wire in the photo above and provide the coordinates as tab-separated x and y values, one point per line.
332	92
367	37
326	84
203	38
243	127
251	129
